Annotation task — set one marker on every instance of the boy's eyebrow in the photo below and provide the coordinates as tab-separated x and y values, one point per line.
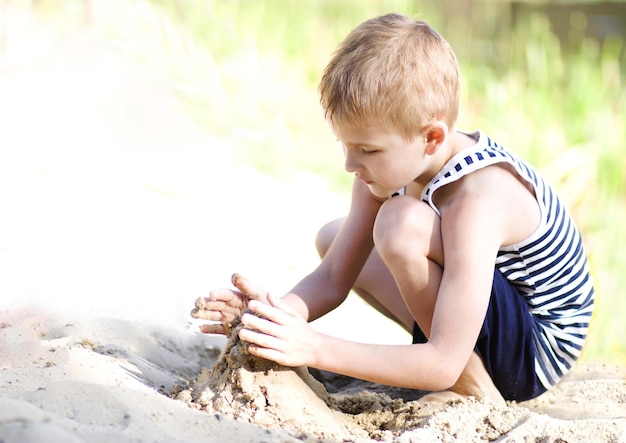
362	145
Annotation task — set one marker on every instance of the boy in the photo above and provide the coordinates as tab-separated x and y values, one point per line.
448	233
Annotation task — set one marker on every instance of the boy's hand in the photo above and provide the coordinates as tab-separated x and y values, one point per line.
276	332
225	305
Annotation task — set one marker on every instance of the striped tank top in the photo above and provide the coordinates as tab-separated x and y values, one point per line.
549	268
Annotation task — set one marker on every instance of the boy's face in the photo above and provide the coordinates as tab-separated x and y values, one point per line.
384	161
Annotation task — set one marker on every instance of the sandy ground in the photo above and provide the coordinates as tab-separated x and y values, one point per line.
116	212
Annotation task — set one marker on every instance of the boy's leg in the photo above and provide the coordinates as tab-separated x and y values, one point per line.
377	286
407	235
373	281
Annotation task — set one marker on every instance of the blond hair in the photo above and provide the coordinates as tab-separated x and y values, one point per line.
391	72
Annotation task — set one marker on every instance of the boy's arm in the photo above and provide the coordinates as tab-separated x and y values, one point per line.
283	335
462	301
328	285
319	292
474	225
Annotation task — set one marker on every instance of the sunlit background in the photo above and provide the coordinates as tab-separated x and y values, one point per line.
215	86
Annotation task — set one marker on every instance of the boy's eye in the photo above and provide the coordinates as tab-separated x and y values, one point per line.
368	152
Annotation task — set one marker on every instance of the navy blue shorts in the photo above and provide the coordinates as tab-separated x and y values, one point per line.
505	342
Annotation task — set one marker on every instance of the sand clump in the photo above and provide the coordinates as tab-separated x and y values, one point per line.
244	387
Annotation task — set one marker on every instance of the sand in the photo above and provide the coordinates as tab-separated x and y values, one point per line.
116	214
253	390
107	379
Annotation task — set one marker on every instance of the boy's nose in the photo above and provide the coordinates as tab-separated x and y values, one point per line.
350	164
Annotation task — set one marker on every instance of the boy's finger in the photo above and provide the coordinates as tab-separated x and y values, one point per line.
271	313
204	314
249	290
216	295
211	302
216	328
277	302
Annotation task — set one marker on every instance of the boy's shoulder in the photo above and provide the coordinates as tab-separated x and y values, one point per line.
497	181
494	196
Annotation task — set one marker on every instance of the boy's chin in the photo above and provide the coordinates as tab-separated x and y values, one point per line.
380	192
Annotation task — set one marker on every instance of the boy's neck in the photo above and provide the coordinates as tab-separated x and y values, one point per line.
454	143
461	141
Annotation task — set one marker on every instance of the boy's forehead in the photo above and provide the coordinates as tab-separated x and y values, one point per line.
356	131
355	134
365	135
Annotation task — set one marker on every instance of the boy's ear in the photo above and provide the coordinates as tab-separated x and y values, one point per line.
435	136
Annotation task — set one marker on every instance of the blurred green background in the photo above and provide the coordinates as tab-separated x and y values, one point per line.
546	79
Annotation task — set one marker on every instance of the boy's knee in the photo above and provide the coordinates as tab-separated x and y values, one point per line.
400	219
326	235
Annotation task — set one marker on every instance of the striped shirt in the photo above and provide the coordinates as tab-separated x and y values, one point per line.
549	268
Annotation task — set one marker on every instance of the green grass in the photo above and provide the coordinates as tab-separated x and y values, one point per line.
248	70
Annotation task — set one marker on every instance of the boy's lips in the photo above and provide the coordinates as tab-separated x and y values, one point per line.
367	182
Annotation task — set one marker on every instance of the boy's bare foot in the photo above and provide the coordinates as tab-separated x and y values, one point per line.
440	397
476	382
